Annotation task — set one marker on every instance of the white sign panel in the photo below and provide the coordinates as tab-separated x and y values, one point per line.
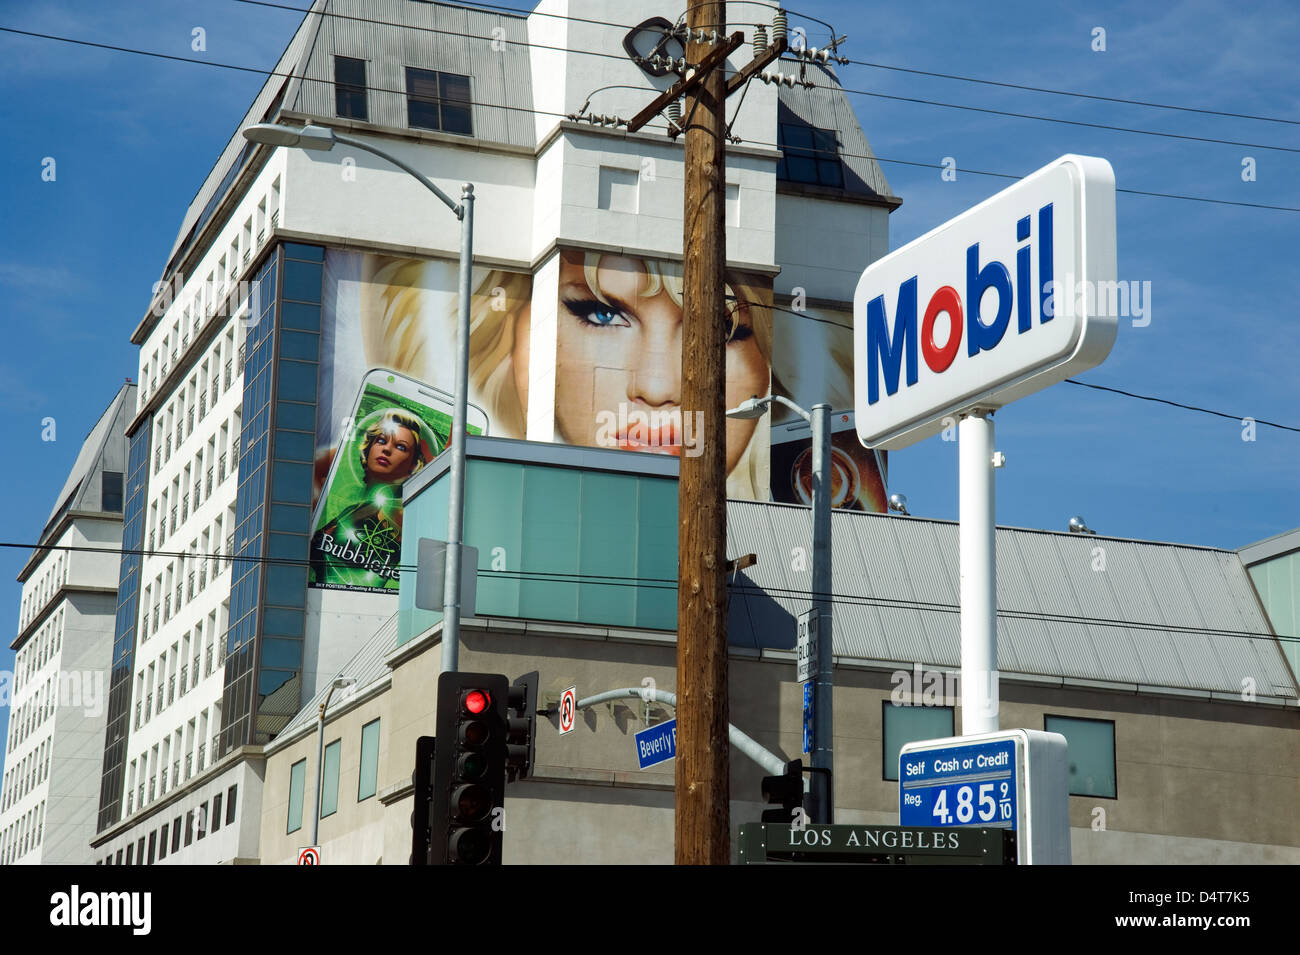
568	710
805	646
1009	297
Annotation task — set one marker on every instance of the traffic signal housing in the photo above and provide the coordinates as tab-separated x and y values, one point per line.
786	790
521	726
422	802
469	769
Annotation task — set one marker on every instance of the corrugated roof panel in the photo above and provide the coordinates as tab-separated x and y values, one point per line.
902	637
1048	575
1031	644
1117	657
1169	586
1160	663
1015	580
1084	558
925	562
1124	571
1245	600
1209	588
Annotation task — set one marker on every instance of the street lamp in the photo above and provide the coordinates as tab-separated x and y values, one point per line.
323	138
338	684
823	685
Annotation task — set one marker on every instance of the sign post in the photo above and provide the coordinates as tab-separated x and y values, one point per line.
957	358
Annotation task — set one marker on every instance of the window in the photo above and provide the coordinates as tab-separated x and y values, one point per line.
350	88
1091	755
216	812
230	804
329	800
176	834
369	774
189	827
909	724
297	784
162	842
438	101
810	155
153	840
111	491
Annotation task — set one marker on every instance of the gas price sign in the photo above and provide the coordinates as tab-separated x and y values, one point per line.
962	785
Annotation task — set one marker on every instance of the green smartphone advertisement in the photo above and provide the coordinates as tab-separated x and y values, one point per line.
357	531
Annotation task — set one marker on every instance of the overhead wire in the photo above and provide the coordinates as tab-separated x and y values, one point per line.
667	583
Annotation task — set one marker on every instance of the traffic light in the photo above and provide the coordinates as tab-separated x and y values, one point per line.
422	803
469	769
786	790
520	727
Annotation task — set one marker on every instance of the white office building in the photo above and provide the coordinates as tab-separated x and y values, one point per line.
59	690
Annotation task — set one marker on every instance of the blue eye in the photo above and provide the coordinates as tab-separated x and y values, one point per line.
598	314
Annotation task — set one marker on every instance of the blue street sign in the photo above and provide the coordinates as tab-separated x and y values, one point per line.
656	744
972	784
808	717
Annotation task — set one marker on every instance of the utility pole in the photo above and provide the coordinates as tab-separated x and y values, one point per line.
703	771
702	834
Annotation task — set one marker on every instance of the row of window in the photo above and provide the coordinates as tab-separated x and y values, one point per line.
434	100
36	652
367	777
162	765
187	829
209	295
1092	744
214	376
174	587
24	834
31	770
36	593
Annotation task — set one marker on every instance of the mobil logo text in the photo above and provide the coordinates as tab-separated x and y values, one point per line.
980	311
892	346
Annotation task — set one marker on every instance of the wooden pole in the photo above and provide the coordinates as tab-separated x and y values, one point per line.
703	784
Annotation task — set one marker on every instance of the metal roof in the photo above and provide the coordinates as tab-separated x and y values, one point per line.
826	106
1070	606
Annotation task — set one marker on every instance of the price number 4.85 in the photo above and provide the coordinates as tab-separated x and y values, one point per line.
966	804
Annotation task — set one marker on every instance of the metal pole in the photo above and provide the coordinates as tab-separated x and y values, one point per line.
320	758
823	685
456	502
979	625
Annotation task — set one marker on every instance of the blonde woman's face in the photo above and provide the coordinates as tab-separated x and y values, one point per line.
628	355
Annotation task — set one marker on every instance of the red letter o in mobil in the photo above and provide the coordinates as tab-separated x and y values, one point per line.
944	301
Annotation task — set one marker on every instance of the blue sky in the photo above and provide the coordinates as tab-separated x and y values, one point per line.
133	137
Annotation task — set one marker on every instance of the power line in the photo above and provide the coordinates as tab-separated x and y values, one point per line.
1068	122
1179	404
1139	192
542	112
621	56
1073	381
665	583
1077	93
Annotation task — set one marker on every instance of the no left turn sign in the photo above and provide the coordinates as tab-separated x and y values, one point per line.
568	709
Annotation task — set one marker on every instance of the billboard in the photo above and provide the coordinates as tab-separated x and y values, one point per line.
814	346
388	345
619	357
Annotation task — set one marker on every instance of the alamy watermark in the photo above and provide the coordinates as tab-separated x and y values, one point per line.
671	431
74	688
1117	299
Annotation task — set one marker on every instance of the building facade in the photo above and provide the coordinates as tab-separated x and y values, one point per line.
65	631
1154	660
303	327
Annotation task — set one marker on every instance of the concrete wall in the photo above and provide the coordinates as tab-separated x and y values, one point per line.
1197	782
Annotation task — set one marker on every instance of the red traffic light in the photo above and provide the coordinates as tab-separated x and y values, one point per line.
477	701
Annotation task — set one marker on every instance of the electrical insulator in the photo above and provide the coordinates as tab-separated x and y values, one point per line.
778	26
675	112
760	40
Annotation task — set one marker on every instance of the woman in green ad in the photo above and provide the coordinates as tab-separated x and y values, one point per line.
360	545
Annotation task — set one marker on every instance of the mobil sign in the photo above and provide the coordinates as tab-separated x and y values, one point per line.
991	306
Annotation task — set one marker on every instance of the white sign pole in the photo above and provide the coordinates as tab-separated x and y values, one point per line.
977	556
